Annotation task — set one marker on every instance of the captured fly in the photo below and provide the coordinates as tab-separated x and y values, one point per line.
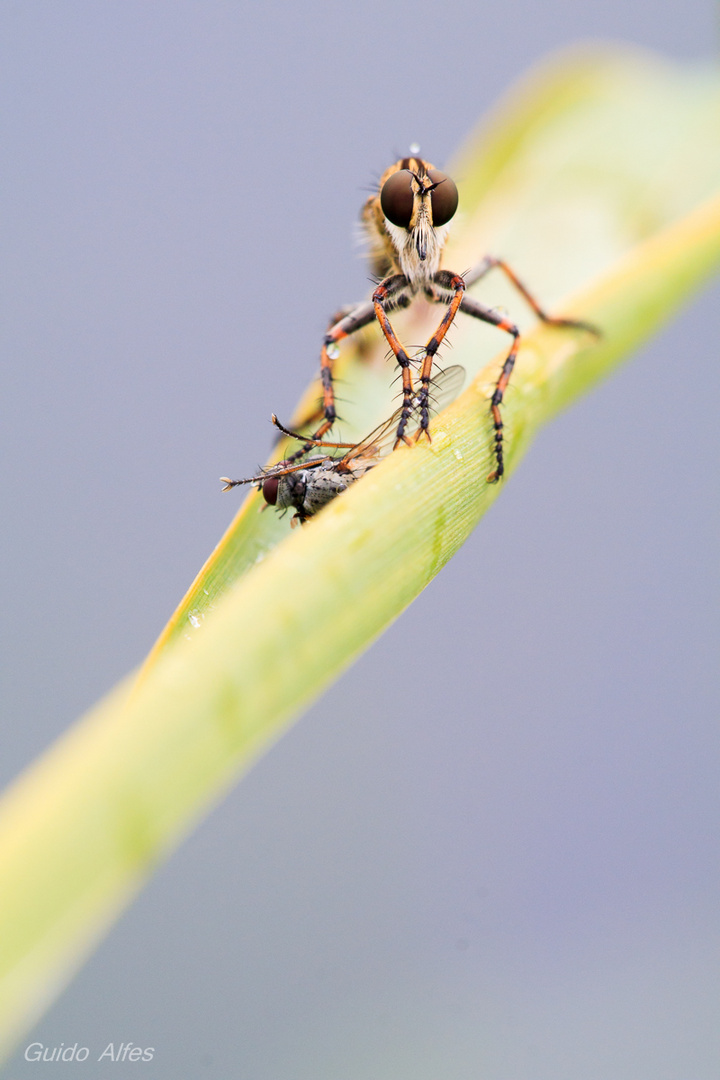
306	486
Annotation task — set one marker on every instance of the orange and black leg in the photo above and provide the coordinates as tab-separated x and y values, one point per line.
349	324
360	316
390	293
490	263
478	311
472	307
446	281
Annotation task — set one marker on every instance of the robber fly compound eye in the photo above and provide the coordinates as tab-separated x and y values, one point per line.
444	197
396	198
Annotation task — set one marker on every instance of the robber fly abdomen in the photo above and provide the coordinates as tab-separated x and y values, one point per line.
407	223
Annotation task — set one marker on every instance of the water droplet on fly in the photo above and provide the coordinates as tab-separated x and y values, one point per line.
333	350
414	148
194	620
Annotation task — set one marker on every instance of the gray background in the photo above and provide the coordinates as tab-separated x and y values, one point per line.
508	869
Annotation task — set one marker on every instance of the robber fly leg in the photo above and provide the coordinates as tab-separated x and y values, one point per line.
446	282
490	262
388	294
344	327
472	307
360	316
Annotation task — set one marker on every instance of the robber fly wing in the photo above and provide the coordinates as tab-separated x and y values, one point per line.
446	386
379	442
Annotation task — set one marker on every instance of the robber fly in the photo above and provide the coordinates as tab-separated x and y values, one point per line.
407	223
307	486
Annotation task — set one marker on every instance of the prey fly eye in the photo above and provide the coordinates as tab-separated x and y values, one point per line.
444	197
396	198
270	489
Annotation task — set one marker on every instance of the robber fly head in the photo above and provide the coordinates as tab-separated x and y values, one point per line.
408	220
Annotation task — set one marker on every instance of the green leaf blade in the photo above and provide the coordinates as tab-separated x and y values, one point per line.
270	624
